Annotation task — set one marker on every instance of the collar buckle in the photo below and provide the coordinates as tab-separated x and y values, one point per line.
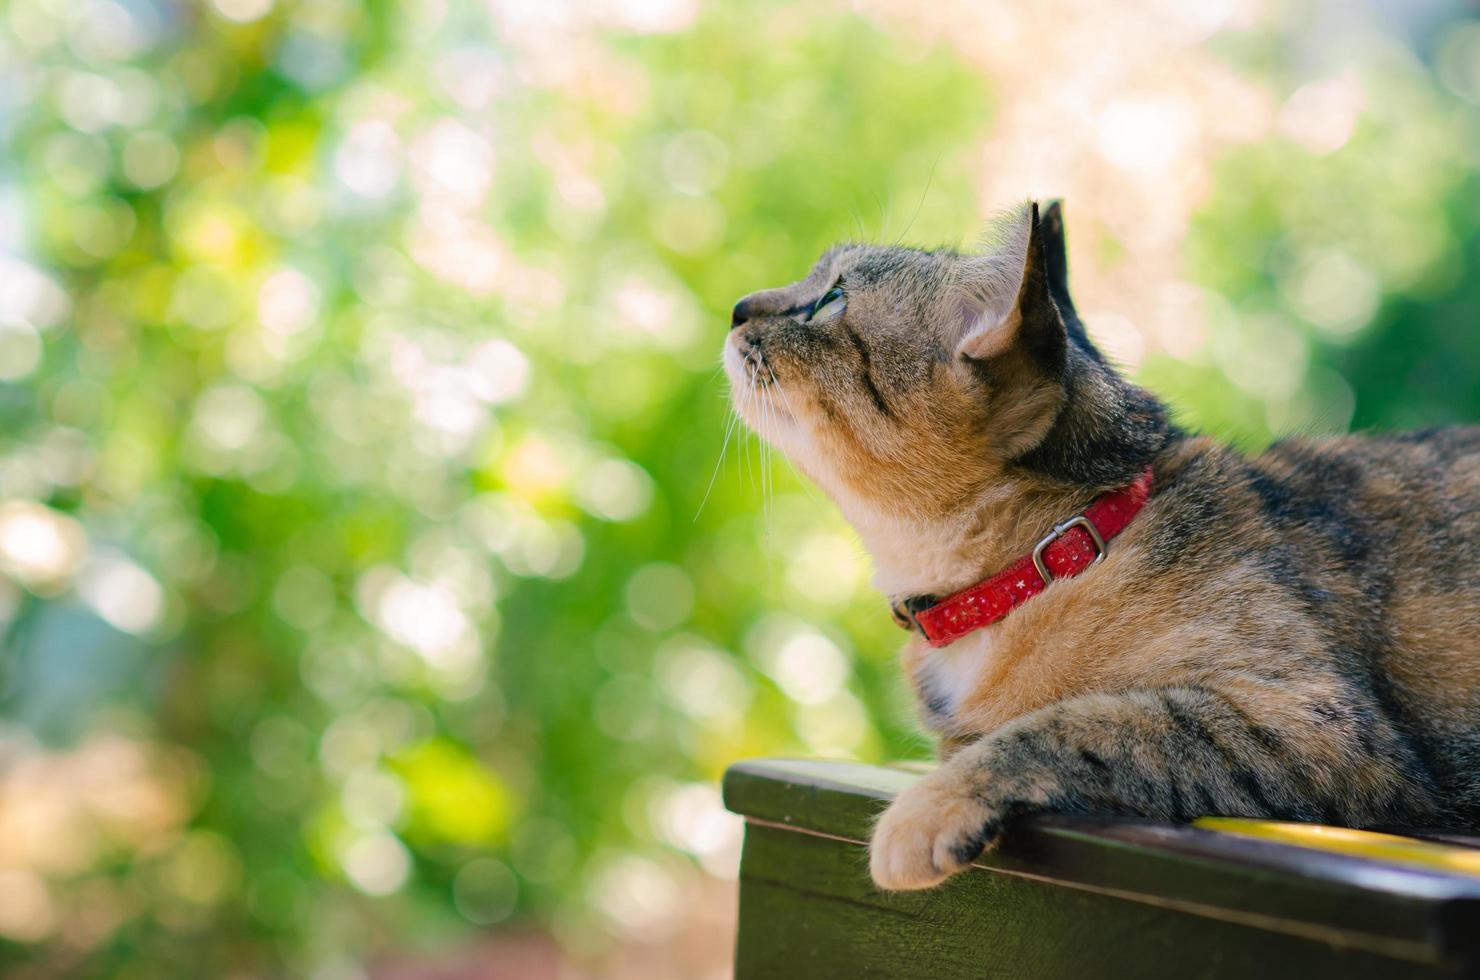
943	621
1079	520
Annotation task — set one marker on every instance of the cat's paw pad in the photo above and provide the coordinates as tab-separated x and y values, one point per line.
928	834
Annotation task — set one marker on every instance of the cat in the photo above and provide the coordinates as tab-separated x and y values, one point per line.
1294	635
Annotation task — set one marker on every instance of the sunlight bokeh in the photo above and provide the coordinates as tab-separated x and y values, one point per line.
374	597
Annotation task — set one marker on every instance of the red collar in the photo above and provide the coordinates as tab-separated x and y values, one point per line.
1067	550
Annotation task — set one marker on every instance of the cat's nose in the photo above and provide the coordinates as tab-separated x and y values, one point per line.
744	310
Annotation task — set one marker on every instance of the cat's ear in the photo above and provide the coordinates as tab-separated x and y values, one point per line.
1056	254
1006	303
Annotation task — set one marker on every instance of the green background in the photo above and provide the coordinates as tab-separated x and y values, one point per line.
371	583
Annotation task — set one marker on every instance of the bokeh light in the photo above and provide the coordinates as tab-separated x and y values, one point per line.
376	598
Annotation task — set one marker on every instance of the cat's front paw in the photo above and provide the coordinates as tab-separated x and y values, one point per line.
931	830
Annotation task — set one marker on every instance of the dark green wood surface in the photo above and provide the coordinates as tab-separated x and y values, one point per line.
1073	898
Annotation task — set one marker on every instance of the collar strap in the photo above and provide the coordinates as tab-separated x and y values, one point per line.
1064	552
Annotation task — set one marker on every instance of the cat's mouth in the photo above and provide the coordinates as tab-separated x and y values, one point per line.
758	370
752	372
746	361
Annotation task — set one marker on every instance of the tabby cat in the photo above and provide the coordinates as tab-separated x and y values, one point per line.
1294	635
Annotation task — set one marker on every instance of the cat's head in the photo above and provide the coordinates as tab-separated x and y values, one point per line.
907	381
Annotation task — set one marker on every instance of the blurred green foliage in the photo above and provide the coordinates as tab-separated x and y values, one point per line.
371	577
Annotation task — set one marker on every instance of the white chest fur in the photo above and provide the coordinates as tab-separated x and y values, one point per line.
949	676
927	558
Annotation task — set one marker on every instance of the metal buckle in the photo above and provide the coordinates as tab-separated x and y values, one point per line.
1058	532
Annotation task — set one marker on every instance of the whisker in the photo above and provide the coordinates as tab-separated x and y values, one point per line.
879	207
768	490
764	462
923	194
776	386
771	456
765	457
719	463
748	433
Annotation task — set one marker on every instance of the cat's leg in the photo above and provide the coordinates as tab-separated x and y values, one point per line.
1262	751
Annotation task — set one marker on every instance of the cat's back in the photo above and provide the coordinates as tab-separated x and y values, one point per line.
1376	538
1408	499
1388	523
1388	527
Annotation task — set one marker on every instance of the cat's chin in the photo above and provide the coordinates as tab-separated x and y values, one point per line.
767	415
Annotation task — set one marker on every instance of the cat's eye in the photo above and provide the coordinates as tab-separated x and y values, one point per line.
832	302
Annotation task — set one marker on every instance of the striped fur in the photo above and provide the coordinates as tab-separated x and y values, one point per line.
1292	635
